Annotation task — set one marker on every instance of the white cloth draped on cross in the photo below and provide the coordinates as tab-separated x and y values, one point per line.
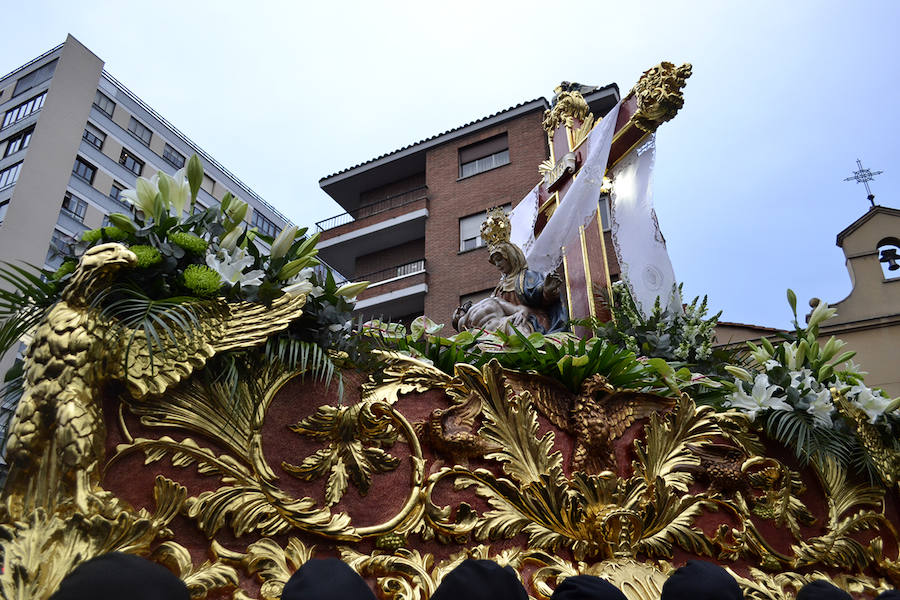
639	246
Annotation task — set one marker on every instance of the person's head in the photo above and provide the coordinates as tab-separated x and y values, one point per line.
701	580
586	587
822	590
326	579
508	258
116	575
480	580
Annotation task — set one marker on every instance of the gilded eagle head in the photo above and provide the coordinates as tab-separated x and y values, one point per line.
96	269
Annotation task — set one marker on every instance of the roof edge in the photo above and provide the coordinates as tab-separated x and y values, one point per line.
436	140
839	241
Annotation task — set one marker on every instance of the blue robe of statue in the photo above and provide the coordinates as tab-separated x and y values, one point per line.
530	292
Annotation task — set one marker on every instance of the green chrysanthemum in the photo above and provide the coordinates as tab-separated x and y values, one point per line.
115	234
91	236
201	280
147	256
189	242
63	270
111	233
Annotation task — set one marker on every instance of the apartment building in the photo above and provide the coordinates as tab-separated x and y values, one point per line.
412	216
72	138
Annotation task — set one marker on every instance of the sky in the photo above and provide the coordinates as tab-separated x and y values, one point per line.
748	188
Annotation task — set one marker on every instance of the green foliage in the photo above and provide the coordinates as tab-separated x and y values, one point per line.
672	334
66	268
201	280
136	315
561	356
24	300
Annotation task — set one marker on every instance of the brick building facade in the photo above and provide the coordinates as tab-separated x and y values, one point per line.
412	215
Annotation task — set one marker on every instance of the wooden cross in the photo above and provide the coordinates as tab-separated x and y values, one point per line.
589	259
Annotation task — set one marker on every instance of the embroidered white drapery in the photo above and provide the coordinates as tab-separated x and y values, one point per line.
579	205
638	242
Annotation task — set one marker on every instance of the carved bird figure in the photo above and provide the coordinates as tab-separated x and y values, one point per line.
597	417
452	433
58	426
720	467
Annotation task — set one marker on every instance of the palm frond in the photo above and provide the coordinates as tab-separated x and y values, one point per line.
24	299
303	356
137	315
797	430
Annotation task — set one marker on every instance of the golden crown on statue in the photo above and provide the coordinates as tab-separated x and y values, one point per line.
496	227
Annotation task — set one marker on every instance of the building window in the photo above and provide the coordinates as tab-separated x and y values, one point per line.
483	156
36	77
131	162
60	244
115	192
264	225
140	131
18	142
10	175
173	156
74	207
94	136
470	230
21	111
3	208
84	170
104	104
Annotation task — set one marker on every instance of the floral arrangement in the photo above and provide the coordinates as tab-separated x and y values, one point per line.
794	390
205	252
684	335
561	356
188	255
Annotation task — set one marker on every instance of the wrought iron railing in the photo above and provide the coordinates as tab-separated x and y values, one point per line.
410	268
368	210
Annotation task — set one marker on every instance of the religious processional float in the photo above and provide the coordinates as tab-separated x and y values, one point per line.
189	398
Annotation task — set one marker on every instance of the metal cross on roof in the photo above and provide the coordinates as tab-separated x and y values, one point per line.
864	176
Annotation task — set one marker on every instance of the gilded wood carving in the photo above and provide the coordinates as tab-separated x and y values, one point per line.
507	458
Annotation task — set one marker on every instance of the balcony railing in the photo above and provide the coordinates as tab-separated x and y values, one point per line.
410	268
368	210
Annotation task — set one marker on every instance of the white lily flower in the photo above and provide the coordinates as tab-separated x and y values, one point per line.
872	403
821	408
790	355
820	313
760	398
179	192
146	191
230	267
760	355
229	240
772	364
300	284
283	242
